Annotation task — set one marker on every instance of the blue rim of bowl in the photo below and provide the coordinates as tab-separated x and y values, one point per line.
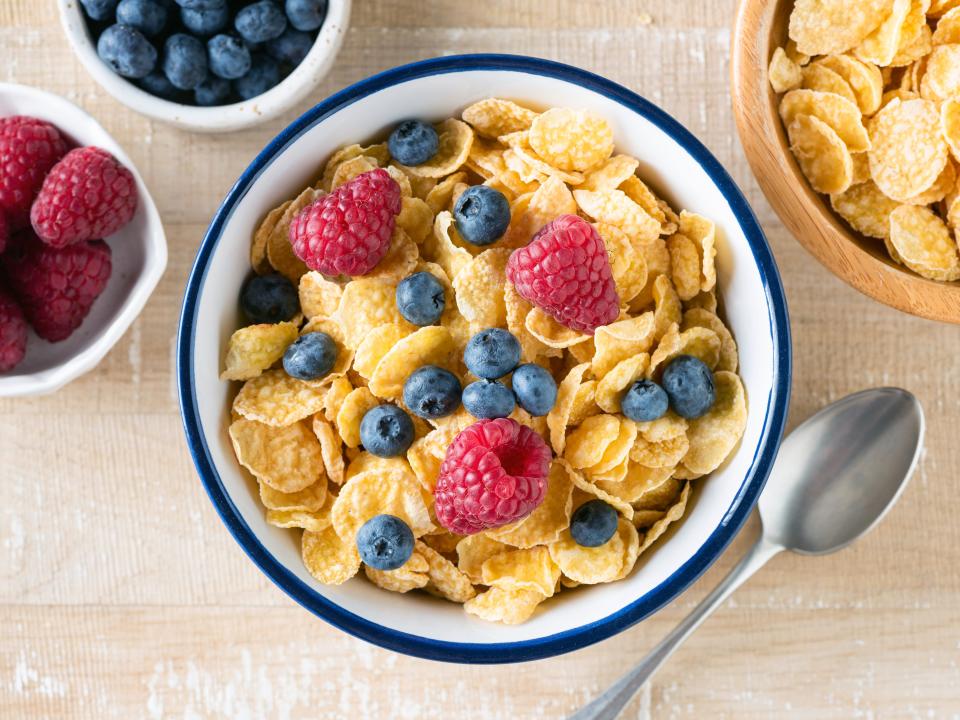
568	640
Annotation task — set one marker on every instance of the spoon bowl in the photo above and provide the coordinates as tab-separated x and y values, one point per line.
841	471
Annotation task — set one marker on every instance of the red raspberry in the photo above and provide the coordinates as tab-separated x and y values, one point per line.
56	287
495	472
348	231
88	195
13	332
4	231
565	271
28	149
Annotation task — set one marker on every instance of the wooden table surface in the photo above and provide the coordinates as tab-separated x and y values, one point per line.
123	596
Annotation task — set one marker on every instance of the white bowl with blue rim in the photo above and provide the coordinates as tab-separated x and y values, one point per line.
678	166
138	257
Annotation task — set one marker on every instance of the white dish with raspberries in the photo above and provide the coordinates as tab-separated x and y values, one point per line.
370	388
290	81
81	333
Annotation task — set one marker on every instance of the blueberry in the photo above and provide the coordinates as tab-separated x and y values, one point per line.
269	299
482	215
156	83
264	74
184	61
432	392
260	22
126	51
205	22
147	16
306	14
488	399
228	57
385	542
492	353
201	4
593	523
291	47
386	431
310	356
420	298
413	142
644	401
535	388
99	10
212	92
689	385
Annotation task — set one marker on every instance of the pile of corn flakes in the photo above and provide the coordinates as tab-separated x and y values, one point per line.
301	439
871	105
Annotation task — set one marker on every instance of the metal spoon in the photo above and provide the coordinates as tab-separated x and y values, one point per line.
835	477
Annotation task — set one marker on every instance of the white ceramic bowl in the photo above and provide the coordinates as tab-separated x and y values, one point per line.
223	118
138	255
678	166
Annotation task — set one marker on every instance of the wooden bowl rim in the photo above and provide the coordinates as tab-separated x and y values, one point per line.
805	213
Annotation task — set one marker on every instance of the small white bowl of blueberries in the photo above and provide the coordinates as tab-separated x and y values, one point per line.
207	65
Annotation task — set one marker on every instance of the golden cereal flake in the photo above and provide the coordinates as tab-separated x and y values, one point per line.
287	459
925	243
494	117
274	398
909	151
571	139
784	73
256	348
824	27
380	491
328	558
823	157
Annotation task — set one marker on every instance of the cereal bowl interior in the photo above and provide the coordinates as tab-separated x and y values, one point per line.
676	166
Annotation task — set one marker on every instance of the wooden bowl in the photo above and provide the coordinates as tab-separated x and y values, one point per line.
761	27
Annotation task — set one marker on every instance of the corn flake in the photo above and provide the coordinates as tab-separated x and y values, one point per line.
822	155
494	117
526	569
328	558
354	406
474	550
274	398
318	296
612	386
412	575
615	208
713	436
924	243
586	444
909	151
840	114
784	73
255	348
258	246
509	606
366	304
589	565
866	209
559	415
310	499
375	345
824	27
445	579
571	139
675	512
380	492
480	287
431	345
331	449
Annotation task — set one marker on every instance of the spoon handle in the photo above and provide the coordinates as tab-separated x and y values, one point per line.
609	705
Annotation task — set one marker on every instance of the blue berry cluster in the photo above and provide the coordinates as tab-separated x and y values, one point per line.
686	386
492	354
204	52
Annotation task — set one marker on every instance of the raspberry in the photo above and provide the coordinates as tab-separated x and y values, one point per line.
4	232
13	332
565	271
28	149
348	231
87	196
495	472
56	287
